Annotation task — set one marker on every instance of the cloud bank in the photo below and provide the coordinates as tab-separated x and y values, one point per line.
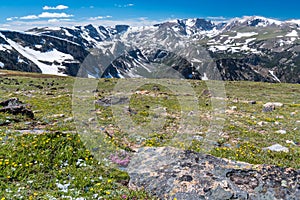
46	15
59	7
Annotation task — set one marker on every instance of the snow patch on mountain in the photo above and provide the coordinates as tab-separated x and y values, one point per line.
5	47
190	22
262	21
1	65
241	35
219	48
67	33
49	56
294	33
275	77
37	57
294	21
250	40
204	77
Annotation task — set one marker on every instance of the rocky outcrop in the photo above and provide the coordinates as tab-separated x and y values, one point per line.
15	107
169	173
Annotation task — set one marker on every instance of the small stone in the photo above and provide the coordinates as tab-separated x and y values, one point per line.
198	138
37	111
262	123
234	108
92	119
281	131
277	148
58	116
293	114
227	145
291	142
69	119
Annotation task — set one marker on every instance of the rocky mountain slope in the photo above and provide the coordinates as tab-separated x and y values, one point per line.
249	48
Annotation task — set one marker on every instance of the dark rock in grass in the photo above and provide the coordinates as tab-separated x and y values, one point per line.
10	102
109	101
15	107
206	93
170	173
268	108
4	123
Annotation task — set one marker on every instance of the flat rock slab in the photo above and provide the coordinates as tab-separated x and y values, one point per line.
170	173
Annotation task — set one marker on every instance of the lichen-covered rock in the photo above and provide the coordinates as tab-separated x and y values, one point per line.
170	173
277	148
270	106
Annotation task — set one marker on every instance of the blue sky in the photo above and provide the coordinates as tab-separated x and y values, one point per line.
22	14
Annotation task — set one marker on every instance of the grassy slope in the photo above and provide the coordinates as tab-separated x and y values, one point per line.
39	166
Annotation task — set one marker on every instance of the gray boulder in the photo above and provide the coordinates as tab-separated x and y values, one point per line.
170	173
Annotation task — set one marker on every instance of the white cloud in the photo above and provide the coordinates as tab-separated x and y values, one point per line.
46	15
54	15
59	7
11	18
100	17
124	6
143	18
29	17
53	20
23	25
57	20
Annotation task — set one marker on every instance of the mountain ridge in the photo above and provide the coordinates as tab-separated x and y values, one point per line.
250	48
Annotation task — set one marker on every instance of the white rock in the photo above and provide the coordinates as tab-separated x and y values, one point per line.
290	142
69	119
233	108
276	104
92	119
281	131
58	116
293	114
262	123
277	148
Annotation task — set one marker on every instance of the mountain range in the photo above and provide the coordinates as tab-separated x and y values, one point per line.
249	48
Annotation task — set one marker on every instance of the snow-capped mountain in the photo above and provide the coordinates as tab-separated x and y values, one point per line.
249	48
